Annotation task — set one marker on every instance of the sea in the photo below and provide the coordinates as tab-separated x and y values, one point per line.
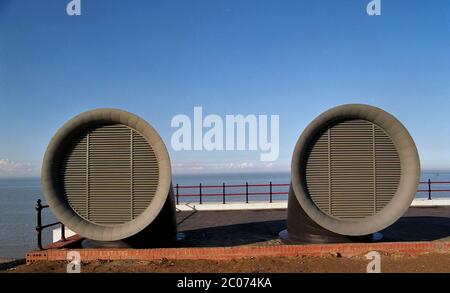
18	199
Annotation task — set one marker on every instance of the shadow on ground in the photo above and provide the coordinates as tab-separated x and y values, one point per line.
232	235
232	228
418	229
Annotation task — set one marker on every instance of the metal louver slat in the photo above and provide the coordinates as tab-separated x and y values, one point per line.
145	174
352	169
74	174
110	174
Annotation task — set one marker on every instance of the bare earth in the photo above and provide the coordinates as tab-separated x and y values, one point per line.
389	264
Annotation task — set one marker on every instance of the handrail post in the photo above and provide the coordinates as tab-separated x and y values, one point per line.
39	224
200	194
178	201
246	192
63	232
429	189
223	193
270	191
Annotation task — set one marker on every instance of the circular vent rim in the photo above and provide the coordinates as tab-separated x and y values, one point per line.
409	177
55	197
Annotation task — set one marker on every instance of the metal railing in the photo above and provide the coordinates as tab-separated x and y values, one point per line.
224	195
200	190
429	183
39	227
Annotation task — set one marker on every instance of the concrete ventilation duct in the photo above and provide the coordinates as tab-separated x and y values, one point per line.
355	171
106	175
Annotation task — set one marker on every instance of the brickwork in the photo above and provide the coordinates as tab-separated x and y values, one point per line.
225	253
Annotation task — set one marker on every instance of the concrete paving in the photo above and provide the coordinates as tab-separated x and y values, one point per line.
261	227
237	206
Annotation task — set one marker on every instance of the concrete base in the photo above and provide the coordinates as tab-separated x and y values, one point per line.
88	243
282	204
324	239
301	229
162	232
256	206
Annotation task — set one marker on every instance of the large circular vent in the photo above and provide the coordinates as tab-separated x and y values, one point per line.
355	170
109	174
352	169
106	174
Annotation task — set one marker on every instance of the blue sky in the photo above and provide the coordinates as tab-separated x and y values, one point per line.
161	58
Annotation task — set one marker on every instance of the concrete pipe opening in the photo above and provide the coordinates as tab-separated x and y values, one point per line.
106	175
355	171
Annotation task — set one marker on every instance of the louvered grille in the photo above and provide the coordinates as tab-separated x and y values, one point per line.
109	174
352	169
